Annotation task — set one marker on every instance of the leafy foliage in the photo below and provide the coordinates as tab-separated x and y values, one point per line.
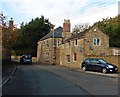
29	34
111	26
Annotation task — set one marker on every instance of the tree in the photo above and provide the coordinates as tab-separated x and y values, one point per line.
111	26
29	34
80	28
8	37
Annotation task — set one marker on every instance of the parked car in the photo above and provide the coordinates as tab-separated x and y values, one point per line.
101	65
26	59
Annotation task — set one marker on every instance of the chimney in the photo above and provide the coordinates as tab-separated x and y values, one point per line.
66	26
66	29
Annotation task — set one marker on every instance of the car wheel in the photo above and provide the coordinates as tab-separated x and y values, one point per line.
104	70
84	68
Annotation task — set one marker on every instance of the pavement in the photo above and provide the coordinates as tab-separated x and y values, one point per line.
113	75
6	76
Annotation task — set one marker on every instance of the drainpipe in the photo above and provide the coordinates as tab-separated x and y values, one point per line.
70	55
84	49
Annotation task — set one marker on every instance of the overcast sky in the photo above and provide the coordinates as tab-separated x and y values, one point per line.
78	11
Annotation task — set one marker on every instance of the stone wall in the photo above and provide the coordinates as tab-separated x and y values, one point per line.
110	59
90	48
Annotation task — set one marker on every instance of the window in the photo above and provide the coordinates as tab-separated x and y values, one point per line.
47	56
58	43
76	42
75	57
94	61
68	58
96	42
47	44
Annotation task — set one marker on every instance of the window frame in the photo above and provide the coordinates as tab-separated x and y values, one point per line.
47	44
95	42
74	57
75	42
58	43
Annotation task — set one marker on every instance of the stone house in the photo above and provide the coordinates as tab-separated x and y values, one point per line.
48	50
90	42
60	47
48	47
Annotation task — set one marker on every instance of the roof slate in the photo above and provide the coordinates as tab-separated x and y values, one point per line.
79	35
57	34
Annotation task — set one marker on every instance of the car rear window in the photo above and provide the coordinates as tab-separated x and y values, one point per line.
27	56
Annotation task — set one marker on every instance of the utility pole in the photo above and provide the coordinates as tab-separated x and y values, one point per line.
53	45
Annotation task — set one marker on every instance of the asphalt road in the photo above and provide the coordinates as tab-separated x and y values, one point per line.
40	79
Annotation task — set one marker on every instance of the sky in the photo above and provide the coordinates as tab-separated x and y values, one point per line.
78	11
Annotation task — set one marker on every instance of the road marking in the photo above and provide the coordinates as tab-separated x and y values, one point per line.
4	82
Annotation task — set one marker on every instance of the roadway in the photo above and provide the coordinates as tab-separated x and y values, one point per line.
39	79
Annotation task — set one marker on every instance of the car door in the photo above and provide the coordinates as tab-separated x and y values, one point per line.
87	64
95	65
90	64
98	66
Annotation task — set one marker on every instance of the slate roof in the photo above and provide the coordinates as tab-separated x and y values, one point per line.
79	35
57	34
76	36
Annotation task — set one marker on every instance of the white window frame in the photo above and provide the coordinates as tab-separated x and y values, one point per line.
95	42
58	43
